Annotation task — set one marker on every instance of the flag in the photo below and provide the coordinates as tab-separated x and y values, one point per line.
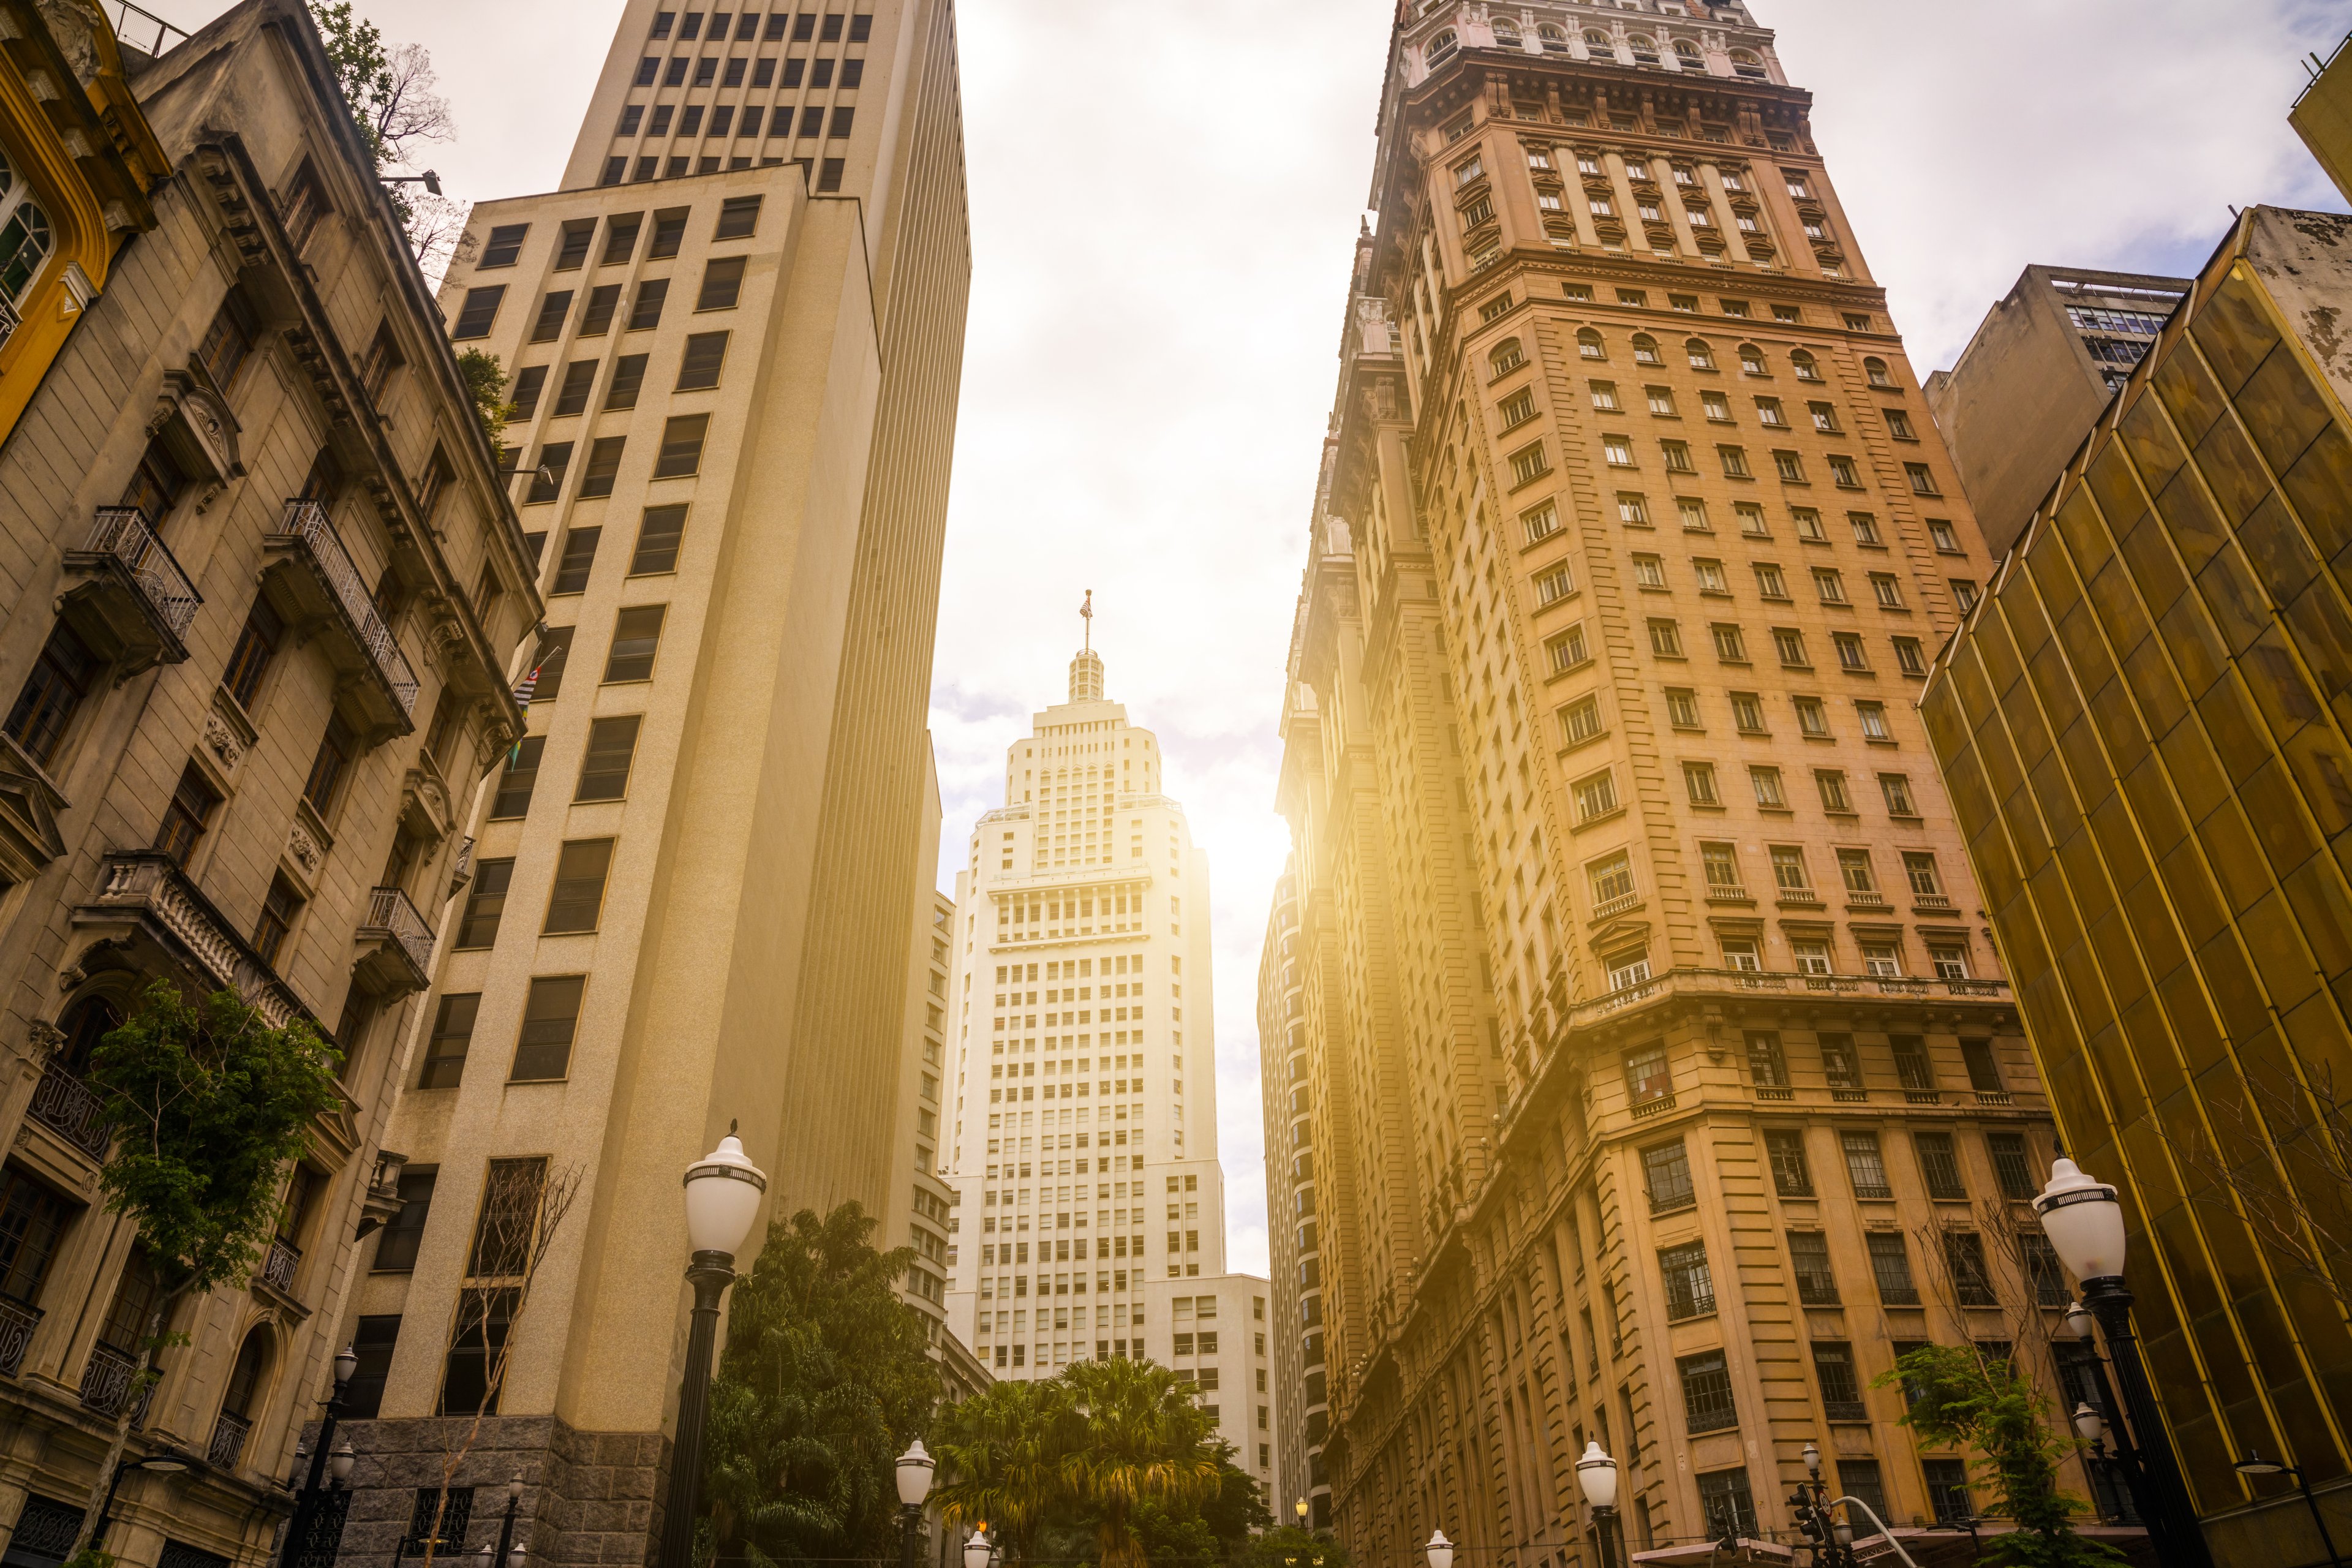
529	684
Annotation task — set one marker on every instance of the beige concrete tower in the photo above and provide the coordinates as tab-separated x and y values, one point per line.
1091	1208
698	887
1648	1071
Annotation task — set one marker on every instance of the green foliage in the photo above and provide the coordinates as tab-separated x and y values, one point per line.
486	383
208	1105
362	66
90	1557
1961	1396
1000	1459
1291	1547
1147	1443
825	1379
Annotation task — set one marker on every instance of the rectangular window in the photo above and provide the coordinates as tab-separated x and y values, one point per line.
281	907
1721	862
1855	873
1682	708
551	1017
1841	1389
1839	1064
486	901
1809	1252
1612	877
1748	713
645	310
1689	1287
445	1046
682	447
1789	643
2009	1167
1604	397
1528	463
1698	782
552	311
1964	1256
628	380
547	478
1859	1478
481	309
1677	456
1554	585
1707	1404
1890	1263
1568	649
1913	1067
1647	1076
1923	482
528	381
577	899
572	397
513	798
1812	718
1896	788
669	232
2043	1271
1666	1172
578	560
1649	571
1767	1065
1830	782
705	353
1907	656
1850	653
395	1253
1633	510
1864	1166
1865	528
722	284
1581	721
337	747
738	217
1517	408
658	534
1789	466
1766	782
637	638
1947	1489
256	644
1939	1166
605	770
1729	646
603	466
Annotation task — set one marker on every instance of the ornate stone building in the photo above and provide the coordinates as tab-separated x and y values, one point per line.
1656	1080
264	586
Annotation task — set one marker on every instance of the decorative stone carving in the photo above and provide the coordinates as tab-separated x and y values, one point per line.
205	420
45	1038
223	740
304	848
70	26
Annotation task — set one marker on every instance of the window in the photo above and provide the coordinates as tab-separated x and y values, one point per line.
1698	782
1589	345
682	447
547	478
1612	877
1838	1061
738	216
1649	571
1896	788
1740	953
505	245
1678	457
1604	397
1646	1079
256	644
1789	643
1865	1167
551	1017
1809	1252
1568	649
577	899
1682	708
1768	414
2043	1271
636	638
1666	639
1721	862
337	747
1506	357
486	901
1706	1397
669	232
1790	466
1946	540
1631	967
513	798
1854	871
1633	510
481	309
1581	721
1964	1256
552	311
1751	521
1813	955
1729	647
603	466
1964	593
604	769
705	353
1667	1176
1735	462
1947	1489
1812	718
628	380
1890	1263
722	284
1693	511
281	907
1662	404
1555	585
1851	654
1912	1069
1748	713
1898	424
1766	782
1517	408
1907	656
1939	1166
1752	362
1881	960
1617	452
1690	1289
578	560
1923	483
1646	350
2010	1164
1830	782
658	534
1596	796
395	1251
445	1046
1841	1390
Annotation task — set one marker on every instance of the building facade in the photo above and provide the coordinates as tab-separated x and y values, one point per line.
743	368
2035	377
1302	1407
1081	989
1661	1083
2142	727
77	162
264	587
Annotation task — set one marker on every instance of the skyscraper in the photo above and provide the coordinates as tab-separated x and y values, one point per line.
697	885
1091	1207
1657	1080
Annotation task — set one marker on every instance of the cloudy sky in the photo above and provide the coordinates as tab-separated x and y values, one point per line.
1163	200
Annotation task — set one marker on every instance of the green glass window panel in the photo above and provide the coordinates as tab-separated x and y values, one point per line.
2317	485
2235	330
2282	409
2196	901
2114	485
2154	568
2148	438
2228	588
2188	511
2282	561
2322	633
2236	854
2188	394
2154	686
2198	655
2080	527
2232	469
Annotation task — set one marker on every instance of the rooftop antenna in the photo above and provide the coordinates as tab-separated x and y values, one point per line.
1086	612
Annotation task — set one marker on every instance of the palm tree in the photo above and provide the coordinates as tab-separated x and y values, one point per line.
1145	1442
1002	1453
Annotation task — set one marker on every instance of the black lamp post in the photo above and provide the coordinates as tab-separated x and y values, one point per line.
323	1453
2255	1465
2086	1225
723	1191
1596	1477
914	1470
162	1464
506	1525
1833	1543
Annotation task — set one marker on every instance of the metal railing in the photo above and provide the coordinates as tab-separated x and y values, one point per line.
106	1380
229	1431
8	320
17	1322
122	532
278	1266
390	911
147	879
70	1108
142	30
307	520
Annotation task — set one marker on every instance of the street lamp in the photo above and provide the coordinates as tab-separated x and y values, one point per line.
2254	1464
915	1471
1441	1550
160	1464
305	1522
1299	1508
723	1191
1596	1476
2085	1226
975	1549
505	1526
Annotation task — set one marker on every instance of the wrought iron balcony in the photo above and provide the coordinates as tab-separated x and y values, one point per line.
8	321
17	1322
144	889
277	1265
130	600
68	1108
1846	1410
401	958
106	1382
317	583
229	1432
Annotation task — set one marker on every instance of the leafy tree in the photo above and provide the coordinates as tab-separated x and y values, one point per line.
1291	1547
206	1105
486	382
389	91
1001	1457
1147	1443
1961	1397
826	1377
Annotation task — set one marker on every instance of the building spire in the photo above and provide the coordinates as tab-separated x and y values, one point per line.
1087	669
1087	612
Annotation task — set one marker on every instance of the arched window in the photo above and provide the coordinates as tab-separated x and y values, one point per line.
1644	47
1505	357
1702	357
1746	65
1599	46
88	1021
1686	54
1440	48
1803	363
1751	360
1506	34
25	238
1554	39
1875	369
244	1397
1646	350
1590	346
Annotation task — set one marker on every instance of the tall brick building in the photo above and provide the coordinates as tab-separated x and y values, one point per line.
1649	1075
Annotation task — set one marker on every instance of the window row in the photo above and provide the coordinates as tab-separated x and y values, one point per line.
748	24
1792	877
1583	718
679	458
1716	407
1788	466
776	122
698	368
724	71
1633	511
1570	649
739	218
